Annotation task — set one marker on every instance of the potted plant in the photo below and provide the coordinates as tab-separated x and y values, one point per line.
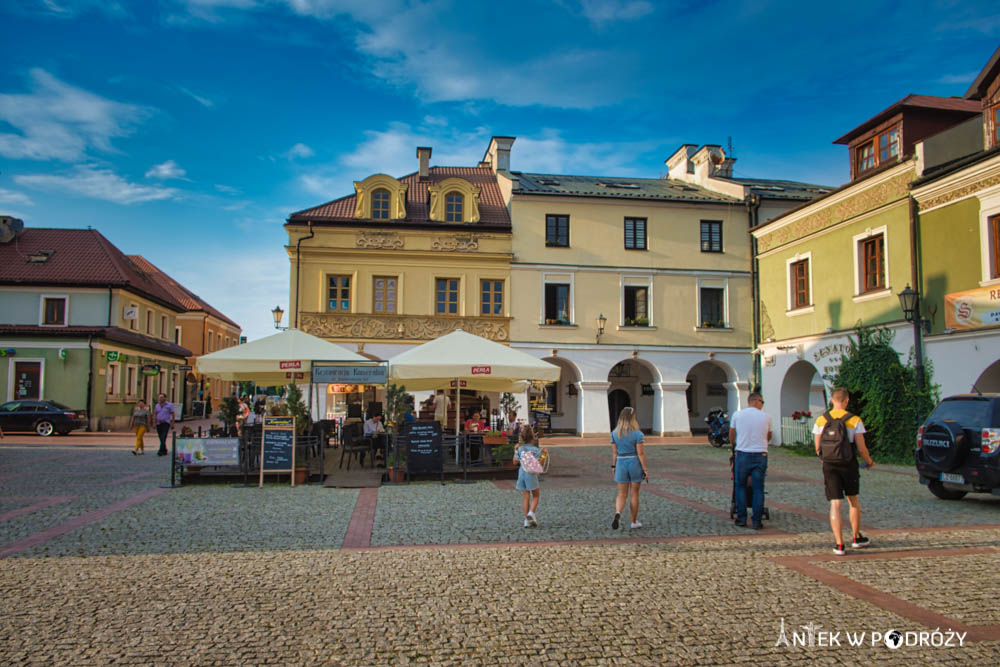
395	467
227	413
503	455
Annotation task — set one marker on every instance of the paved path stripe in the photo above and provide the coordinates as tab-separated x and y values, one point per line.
929	619
73	524
359	531
45	501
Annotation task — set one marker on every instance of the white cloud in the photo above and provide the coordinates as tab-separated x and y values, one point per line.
166	170
966	78
601	12
96	183
203	101
299	150
550	153
14	197
58	121
228	189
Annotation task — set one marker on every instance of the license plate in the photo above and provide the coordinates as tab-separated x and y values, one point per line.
954	479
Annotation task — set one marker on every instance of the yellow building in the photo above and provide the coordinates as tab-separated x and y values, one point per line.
402	261
640	289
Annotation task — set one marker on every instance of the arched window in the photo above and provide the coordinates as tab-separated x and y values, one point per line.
380	204
453	207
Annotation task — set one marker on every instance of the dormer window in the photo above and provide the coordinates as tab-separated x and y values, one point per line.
453	207
888	146
380	204
883	149
866	157
995	120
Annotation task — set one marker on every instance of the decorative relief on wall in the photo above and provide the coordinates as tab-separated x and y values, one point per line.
766	328
383	240
343	325
871	198
466	243
960	192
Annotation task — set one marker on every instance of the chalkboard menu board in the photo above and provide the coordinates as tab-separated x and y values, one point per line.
423	447
277	446
543	420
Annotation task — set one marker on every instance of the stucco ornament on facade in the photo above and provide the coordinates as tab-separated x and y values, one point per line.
466	243
382	240
871	198
347	325
964	191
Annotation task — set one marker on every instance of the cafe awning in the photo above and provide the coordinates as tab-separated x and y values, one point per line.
279	359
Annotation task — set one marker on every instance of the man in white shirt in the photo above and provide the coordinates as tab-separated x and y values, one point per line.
373	425
750	429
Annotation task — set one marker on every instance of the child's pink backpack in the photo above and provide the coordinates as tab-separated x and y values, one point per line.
531	464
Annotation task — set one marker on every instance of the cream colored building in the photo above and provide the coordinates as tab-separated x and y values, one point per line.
662	265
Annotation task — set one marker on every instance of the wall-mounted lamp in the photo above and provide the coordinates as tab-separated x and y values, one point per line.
601	321
909	302
278	313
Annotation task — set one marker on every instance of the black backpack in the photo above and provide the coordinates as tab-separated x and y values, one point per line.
834	446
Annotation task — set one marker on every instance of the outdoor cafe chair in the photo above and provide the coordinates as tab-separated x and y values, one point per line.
354	443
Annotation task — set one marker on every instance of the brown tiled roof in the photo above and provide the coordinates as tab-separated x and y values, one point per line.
79	257
985	77
187	298
956	105
108	333
492	210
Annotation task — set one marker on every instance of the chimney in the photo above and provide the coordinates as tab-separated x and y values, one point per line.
424	155
498	153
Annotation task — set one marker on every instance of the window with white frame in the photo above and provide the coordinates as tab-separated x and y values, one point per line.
132	313
113	379
54	310
993	224
557	302
635	298
149	321
713	304
131	379
799	281
871	268
164	327
177	335
989	237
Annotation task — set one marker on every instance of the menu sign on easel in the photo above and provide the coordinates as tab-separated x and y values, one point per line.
277	447
423	447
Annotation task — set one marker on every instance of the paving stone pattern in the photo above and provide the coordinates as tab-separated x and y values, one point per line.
218	574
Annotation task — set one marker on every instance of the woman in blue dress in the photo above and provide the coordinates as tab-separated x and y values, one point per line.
526	481
628	460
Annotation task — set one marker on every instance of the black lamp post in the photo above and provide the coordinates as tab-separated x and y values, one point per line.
909	301
601	321
278	313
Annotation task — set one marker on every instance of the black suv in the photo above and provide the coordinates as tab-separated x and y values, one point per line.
958	447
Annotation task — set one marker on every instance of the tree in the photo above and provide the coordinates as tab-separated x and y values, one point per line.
297	408
884	393
397	402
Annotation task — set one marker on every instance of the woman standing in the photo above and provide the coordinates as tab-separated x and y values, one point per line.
628	460
140	421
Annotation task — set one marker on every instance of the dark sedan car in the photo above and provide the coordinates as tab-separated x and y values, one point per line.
41	417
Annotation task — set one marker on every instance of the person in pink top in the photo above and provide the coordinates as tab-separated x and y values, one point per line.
163	415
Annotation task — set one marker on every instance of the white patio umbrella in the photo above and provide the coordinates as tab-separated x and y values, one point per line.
269	361
463	357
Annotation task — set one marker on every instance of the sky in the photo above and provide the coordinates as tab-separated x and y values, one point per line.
187	131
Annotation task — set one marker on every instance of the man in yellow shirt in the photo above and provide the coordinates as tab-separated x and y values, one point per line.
841	477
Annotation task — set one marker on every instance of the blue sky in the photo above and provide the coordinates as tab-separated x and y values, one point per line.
188	130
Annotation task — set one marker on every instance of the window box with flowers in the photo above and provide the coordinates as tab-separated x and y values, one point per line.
801	415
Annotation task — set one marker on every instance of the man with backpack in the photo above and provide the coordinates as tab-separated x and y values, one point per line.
839	438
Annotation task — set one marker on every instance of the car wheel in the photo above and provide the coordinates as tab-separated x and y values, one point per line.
44	428
939	490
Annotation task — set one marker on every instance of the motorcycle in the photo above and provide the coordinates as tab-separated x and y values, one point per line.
718	427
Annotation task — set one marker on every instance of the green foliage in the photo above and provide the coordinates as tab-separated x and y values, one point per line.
503	453
228	411
508	403
297	408
884	394
397	402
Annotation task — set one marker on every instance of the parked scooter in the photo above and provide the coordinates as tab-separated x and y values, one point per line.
718	427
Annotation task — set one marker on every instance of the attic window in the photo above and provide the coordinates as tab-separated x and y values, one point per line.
547	181
628	186
40	256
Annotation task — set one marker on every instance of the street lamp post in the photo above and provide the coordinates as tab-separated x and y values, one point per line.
601	321
909	301
278	313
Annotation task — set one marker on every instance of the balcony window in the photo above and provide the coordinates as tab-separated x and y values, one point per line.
446	296
491	297
635	233
557	230
380	205
557	303
636	306
338	296
384	295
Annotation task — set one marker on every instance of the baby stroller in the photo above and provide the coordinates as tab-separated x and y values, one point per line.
747	489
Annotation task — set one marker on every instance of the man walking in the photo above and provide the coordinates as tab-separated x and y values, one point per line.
750	429
163	413
839	438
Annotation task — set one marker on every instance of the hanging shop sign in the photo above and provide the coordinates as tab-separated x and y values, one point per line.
972	308
350	374
9	352
150	369
112	355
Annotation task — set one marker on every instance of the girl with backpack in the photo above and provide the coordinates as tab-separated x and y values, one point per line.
629	463
528	456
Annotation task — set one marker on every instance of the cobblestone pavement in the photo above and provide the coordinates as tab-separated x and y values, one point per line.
103	566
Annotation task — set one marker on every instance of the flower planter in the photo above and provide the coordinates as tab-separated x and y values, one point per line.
301	475
395	474
494	440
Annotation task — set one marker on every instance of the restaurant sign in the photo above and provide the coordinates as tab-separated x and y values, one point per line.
150	369
350	374
482	370
972	308
289	364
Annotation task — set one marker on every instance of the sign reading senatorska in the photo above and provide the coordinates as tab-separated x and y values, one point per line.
482	370
972	308
289	364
